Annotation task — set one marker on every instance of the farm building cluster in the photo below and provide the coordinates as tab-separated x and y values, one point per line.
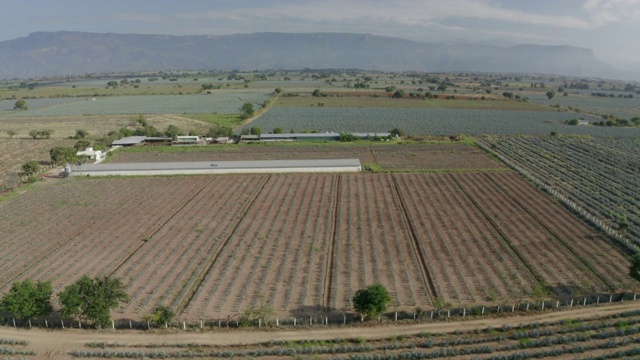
198	140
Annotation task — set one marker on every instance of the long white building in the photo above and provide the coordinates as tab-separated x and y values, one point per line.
217	167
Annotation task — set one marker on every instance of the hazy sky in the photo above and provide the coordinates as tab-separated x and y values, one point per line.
610	27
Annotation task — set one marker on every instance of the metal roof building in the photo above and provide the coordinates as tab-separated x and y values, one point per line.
217	167
129	141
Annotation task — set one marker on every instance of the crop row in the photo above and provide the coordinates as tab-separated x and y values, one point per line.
431	121
598	174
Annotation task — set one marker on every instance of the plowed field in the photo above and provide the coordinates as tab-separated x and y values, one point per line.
211	246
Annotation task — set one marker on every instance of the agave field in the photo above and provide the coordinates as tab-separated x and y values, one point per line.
211	246
600	175
620	107
227	102
432	121
609	337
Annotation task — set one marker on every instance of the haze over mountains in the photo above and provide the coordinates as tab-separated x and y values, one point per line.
67	53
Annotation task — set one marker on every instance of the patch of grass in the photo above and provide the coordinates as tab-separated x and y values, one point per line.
229	120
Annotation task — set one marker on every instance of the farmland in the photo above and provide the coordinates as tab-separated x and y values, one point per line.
227	102
15	152
600	175
213	246
431	121
437	156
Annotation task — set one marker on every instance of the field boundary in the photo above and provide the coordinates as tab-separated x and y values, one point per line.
415	244
214	255
117	266
553	235
328	276
534	275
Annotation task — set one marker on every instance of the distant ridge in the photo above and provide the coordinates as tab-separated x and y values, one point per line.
68	53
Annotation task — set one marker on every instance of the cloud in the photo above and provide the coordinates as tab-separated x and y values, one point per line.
405	13
604	12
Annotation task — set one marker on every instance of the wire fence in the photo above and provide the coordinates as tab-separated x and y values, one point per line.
345	319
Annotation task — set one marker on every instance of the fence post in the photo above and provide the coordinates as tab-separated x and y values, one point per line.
396	316
326	320
464	312
431	314
527	306
543	305
585	302
184	325
277	322
294	321
46	324
344	319
29	323
448	313
14	322
259	323
62	322
483	310
130	325
113	324
79	324
571	303
557	303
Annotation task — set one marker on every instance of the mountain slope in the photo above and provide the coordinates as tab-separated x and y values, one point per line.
63	53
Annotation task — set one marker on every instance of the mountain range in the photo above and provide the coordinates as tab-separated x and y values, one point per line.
70	53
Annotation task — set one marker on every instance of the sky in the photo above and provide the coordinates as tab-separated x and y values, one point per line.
609	27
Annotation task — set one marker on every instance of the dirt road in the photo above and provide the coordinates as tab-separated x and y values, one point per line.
58	343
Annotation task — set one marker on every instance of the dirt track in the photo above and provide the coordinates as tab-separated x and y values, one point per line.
58	343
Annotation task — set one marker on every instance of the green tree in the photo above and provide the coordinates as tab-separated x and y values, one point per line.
247	110
81	145
371	301
316	93
397	132
31	167
61	155
34	134
399	94
81	134
256	130
573	122
11	133
160	315
173	131
26	299
20	105
112	83
278	131
550	94
92	299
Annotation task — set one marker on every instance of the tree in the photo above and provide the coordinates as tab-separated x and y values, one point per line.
278	130
550	94
11	133
27	299
92	299
316	93
61	154
256	130
112	83
371	301
172	131
397	132
160	315
81	134
398	94
81	145
20	105
247	110
31	167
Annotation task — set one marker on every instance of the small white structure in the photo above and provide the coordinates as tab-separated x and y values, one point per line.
218	167
96	155
583	122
